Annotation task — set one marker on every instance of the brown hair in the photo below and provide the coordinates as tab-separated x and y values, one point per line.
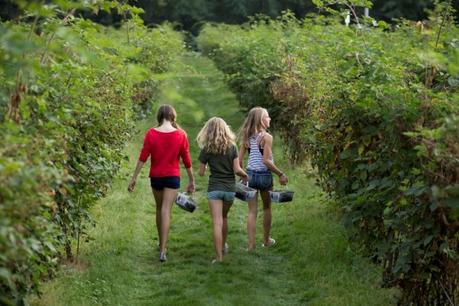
253	124
166	112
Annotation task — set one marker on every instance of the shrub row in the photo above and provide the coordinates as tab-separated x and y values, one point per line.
376	111
69	92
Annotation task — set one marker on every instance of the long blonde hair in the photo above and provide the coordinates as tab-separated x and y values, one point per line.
253	124
216	136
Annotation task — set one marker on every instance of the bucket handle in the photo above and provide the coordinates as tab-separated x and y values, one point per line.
246	183
188	194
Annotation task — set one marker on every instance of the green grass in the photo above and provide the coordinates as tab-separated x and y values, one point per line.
312	264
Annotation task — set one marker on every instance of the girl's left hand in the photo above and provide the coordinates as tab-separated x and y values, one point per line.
283	179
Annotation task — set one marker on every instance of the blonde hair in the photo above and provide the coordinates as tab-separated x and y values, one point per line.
216	136
253	124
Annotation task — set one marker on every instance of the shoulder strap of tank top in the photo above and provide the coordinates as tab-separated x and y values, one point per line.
260	137
258	140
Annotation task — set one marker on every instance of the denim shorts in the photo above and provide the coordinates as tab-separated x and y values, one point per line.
225	196
159	183
260	180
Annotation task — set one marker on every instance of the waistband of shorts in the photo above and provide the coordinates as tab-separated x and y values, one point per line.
259	171
164	177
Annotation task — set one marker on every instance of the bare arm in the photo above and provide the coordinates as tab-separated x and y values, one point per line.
133	181
241	155
190	188
267	152
238	170
202	169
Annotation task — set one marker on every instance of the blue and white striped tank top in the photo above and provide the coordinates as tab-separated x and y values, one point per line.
255	156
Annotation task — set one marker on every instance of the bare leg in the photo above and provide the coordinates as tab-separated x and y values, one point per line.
158	194
226	208
267	215
216	207
252	222
169	196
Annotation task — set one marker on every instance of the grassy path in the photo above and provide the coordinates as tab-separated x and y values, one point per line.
311	265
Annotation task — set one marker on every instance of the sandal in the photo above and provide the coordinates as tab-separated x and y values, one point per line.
162	256
270	243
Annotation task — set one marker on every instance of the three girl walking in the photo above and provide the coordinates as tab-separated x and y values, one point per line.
167	144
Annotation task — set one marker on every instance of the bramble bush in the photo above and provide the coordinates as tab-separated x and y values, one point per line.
70	90
375	109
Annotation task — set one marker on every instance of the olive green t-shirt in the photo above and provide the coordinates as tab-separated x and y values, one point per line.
221	169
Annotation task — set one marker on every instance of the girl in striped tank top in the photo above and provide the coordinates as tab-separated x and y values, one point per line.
258	143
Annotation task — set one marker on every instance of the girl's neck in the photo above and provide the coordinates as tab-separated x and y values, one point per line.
262	130
166	126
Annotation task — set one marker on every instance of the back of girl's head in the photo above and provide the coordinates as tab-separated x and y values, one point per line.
166	112
253	123
216	136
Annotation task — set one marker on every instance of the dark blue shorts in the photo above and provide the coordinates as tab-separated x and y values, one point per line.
159	183
260	180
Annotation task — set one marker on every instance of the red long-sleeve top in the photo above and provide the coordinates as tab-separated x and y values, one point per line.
165	150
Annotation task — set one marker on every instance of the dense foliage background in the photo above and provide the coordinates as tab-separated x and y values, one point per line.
69	89
376	111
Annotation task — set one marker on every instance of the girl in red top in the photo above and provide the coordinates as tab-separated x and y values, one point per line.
166	144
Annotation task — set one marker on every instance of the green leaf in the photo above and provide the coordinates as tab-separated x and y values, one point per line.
452	202
428	239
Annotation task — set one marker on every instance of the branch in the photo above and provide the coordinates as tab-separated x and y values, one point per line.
357	20
443	21
64	21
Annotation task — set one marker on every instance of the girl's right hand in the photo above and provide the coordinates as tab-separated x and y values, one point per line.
244	178
131	185
283	179
190	188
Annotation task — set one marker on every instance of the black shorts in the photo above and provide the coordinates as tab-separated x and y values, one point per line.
159	183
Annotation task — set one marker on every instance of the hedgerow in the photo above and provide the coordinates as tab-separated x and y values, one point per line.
70	90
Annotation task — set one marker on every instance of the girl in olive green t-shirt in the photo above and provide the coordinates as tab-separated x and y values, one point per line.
218	150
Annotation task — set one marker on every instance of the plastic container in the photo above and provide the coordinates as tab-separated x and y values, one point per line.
281	196
185	202
244	192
